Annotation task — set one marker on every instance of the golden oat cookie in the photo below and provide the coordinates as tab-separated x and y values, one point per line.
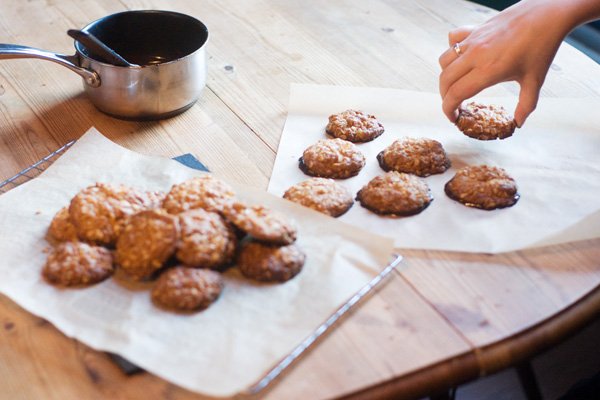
61	228
261	223
77	264
482	186
332	158
485	122
205	192
187	289
153	199
206	241
395	194
418	156
149	200
148	240
354	126
321	194
98	211
267	263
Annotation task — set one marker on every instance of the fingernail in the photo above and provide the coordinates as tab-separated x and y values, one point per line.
454	116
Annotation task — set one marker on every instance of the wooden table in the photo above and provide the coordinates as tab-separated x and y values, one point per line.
447	318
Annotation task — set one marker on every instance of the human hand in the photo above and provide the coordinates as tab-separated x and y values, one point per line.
517	44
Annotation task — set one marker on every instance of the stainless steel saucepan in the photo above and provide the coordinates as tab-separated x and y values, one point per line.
167	53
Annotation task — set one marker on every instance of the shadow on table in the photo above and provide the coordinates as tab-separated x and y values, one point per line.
557	258
69	119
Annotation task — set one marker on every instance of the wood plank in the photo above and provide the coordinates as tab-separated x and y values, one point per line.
39	362
392	334
491	297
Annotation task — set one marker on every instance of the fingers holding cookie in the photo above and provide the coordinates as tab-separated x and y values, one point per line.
485	122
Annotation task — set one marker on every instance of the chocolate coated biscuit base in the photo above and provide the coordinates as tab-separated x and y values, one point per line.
450	194
382	163
308	172
365	140
405	214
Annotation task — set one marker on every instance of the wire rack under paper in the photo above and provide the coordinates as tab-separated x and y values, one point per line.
33	170
37	168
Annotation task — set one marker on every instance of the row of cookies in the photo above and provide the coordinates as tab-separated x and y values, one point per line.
340	159
186	237
476	120
400	194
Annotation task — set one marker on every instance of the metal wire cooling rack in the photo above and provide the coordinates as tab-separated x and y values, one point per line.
127	367
33	170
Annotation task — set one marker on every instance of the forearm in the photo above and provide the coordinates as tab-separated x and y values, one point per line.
517	44
582	11
562	15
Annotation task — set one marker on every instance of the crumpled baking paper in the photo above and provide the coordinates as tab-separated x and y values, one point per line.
217	352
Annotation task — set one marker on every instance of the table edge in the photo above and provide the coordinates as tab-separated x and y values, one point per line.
488	359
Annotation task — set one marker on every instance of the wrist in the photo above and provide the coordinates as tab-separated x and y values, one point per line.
585	11
562	15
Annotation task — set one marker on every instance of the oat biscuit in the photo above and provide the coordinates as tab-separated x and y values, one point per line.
418	156
61	228
187	289
77	264
207	240
395	194
321	194
267	263
205	192
482	186
147	242
354	126
98	211
153	199
261	223
485	122
332	158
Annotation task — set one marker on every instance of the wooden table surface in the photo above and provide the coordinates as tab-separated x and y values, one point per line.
446	318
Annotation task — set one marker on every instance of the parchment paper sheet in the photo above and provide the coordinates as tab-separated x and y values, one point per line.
218	352
554	159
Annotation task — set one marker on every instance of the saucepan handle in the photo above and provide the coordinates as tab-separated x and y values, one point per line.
8	51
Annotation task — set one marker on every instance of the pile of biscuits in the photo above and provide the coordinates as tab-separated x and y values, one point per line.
401	190
181	240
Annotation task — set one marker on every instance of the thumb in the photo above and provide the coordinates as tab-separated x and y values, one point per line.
528	99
